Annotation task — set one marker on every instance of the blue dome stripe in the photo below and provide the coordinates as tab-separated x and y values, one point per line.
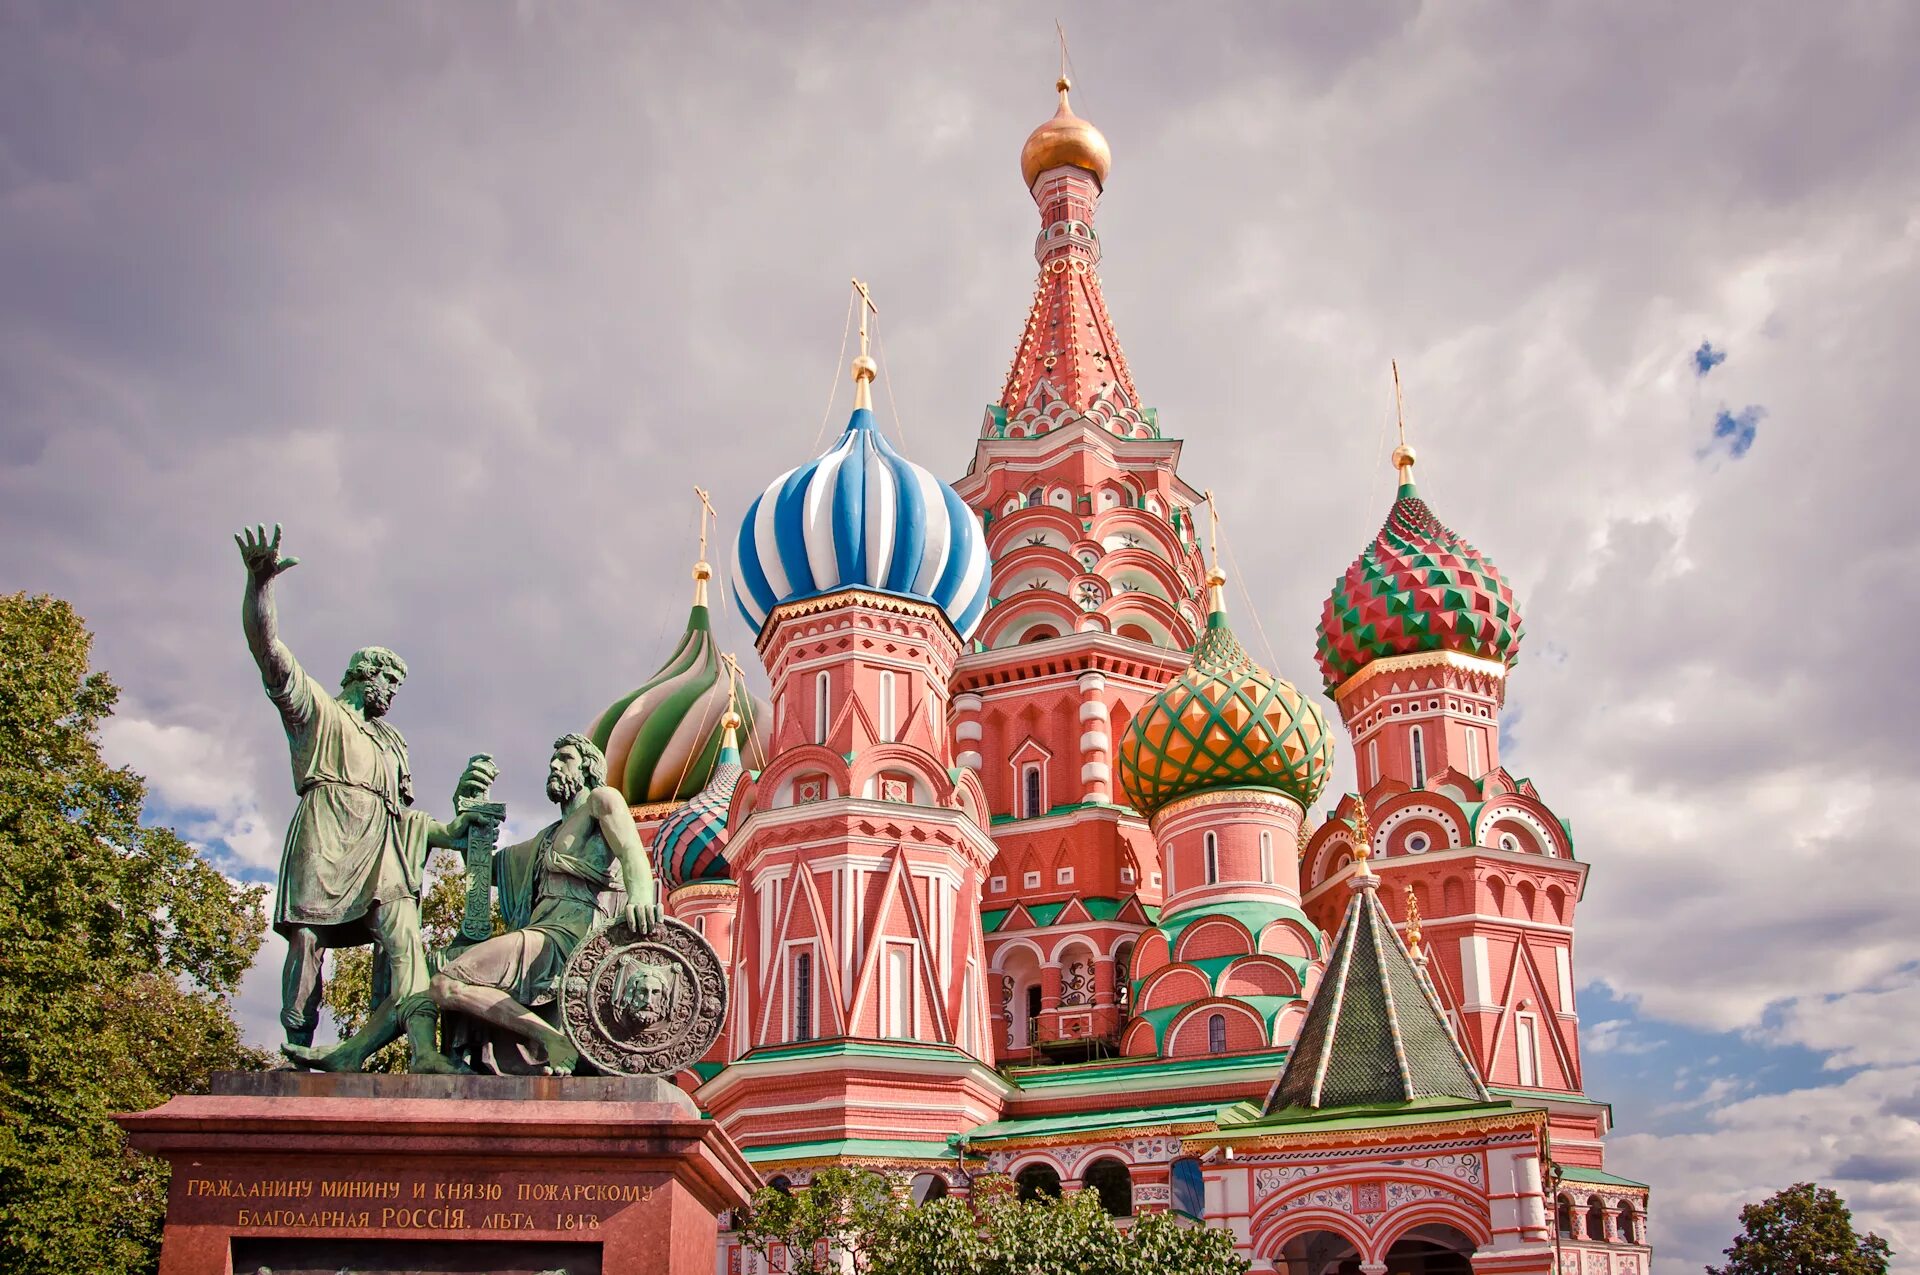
789	526
847	484
750	580
910	533
946	590
861	516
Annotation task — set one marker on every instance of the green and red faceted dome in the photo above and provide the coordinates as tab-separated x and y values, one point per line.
1224	722
1418	587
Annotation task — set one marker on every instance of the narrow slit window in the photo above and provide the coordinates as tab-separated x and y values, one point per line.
1211	843
822	706
1031	784
1419	741
803	996
1217	1033
886	706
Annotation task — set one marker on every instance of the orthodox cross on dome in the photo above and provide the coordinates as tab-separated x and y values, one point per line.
1362	840
1403	454
702	569
731	722
1216	578
864	368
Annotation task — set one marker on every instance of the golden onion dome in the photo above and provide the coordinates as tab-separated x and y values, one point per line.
1066	140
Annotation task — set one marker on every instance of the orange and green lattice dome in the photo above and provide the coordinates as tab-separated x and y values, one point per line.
1225	722
1418	587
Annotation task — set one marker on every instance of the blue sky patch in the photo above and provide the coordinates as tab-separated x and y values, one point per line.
1734	432
1707	358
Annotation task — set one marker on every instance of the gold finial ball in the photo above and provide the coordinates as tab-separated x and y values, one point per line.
1216	577
1403	457
1065	141
703	570
864	368
731	721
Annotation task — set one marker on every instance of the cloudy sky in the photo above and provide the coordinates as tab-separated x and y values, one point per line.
470	296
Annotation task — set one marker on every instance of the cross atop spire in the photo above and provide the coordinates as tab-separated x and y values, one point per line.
1216	578
702	569
1403	454
864	368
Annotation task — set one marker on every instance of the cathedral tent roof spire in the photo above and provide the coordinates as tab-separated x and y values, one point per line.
1375	1035
1069	361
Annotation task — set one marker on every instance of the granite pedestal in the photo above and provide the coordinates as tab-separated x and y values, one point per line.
292	1173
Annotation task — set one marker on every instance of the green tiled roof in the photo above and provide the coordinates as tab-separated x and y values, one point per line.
874	1148
1598	1177
1375	1034
1365	1116
1096	1121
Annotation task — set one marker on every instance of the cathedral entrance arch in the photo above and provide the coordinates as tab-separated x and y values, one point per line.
1318	1253
1433	1248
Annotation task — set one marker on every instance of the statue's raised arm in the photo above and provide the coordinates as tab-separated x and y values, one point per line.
261	553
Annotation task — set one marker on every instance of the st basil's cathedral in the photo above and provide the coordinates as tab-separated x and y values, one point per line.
1015	873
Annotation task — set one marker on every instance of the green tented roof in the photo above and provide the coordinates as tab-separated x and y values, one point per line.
1375	1034
1597	1177
1095	1121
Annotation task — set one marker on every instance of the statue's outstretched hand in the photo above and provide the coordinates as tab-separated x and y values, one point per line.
261	553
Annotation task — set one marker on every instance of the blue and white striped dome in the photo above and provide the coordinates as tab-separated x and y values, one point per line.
861	517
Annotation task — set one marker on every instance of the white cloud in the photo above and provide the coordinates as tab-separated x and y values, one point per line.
1874	1026
1861	1137
205	784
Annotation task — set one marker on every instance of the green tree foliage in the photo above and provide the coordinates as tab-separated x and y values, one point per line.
862	1217
348	992
119	951
1803	1230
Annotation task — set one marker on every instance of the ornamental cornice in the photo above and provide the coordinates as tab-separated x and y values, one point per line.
1529	1120
1224	797
1013	1146
1470	664
884	602
704	890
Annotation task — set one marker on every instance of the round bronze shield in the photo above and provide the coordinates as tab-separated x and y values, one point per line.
643	1004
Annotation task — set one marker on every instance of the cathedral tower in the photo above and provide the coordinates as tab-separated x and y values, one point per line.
1097	595
858	971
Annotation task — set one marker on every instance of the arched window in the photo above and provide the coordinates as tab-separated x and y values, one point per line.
822	705
1266	856
1037	1181
1629	1225
782	1183
1373	761
1123	977
886	706
1110	1180
1564	1218
1216	1033
928	1187
1189	1187
1473	754
1037	496
1030	784
1596	1219
1419	746
1211	844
